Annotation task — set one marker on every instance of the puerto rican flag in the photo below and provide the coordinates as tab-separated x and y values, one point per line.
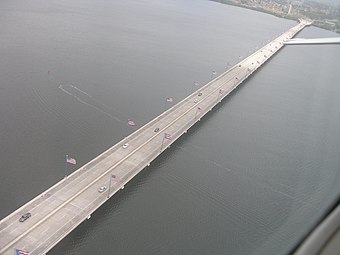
131	123
70	160
21	252
167	136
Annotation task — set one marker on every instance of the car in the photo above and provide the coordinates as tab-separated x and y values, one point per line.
102	189
156	130
25	217
199	94
195	101
239	65
125	145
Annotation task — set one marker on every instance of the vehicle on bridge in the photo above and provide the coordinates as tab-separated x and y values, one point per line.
102	189
25	217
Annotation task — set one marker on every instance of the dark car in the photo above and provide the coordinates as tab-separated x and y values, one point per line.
156	129
199	94
25	217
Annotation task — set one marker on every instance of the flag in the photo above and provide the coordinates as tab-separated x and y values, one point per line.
169	99
70	160
115	177
21	252
167	136
131	123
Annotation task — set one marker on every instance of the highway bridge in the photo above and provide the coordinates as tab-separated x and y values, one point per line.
302	41
61	208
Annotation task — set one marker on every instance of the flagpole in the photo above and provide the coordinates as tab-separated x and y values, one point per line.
165	105
196	112
218	95
162	143
212	74
108	192
193	85
66	156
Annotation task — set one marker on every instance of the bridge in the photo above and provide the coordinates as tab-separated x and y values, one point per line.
61	208
302	41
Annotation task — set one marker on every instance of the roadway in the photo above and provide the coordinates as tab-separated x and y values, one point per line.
60	209
302	41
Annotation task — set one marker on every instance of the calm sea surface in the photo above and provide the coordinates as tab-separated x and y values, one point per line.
253	177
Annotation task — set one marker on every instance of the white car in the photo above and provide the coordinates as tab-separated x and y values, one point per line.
125	145
195	101
102	189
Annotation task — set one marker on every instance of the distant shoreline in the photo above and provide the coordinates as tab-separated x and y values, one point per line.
277	14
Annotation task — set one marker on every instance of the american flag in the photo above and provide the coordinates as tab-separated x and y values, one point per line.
131	123
21	252
167	136
115	178
169	99
70	160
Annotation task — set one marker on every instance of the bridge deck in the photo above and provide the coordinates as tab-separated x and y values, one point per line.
301	41
60	209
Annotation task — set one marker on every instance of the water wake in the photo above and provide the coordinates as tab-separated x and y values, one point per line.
86	99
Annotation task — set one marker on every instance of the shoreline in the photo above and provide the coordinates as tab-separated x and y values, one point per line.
277	14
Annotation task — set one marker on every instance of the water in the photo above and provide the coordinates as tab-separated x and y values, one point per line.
253	177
